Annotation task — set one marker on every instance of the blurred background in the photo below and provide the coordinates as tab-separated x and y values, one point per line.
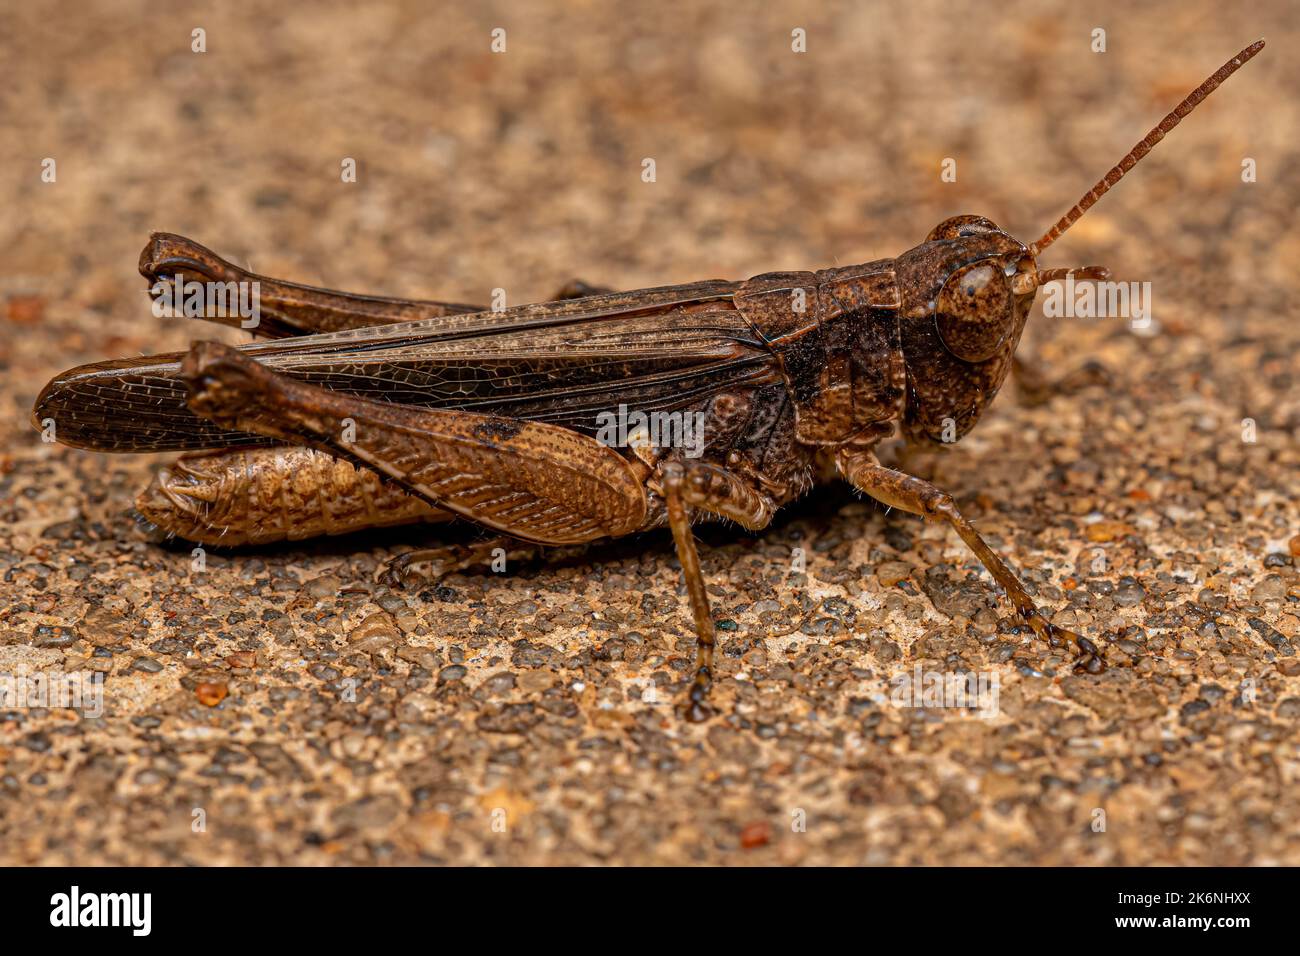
523	170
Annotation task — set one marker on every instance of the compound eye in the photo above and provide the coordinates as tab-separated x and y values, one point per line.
958	227
974	312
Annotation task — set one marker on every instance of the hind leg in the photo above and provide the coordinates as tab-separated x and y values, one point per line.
533	481
289	308
285	308
256	496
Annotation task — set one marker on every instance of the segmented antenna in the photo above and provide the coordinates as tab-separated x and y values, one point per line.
1099	273
1141	149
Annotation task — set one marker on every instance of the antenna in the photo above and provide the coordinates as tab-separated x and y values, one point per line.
1141	149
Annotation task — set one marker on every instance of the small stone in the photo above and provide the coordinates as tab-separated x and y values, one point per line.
391	603
531	682
102	626
451	673
1129	593
416	707
46	635
420	656
1271	634
1101	531
756	834
1212	693
211	693
891	572
325	586
376	628
499	683
1272	588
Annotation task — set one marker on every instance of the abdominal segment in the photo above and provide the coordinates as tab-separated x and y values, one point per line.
263	495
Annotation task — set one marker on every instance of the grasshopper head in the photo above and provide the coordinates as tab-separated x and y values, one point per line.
966	292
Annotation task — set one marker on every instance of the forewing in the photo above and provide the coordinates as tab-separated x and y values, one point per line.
559	362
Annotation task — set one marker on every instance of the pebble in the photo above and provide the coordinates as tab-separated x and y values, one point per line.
211	693
891	572
1271	634
1104	530
324	586
1129	593
47	636
1272	588
756	834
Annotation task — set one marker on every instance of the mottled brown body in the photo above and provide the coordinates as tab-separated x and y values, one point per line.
774	384
497	416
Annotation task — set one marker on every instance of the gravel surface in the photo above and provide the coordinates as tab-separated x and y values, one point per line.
280	706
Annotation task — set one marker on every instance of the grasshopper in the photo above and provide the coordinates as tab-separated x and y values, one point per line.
366	412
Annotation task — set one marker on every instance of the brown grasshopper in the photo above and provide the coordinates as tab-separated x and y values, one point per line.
369	411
